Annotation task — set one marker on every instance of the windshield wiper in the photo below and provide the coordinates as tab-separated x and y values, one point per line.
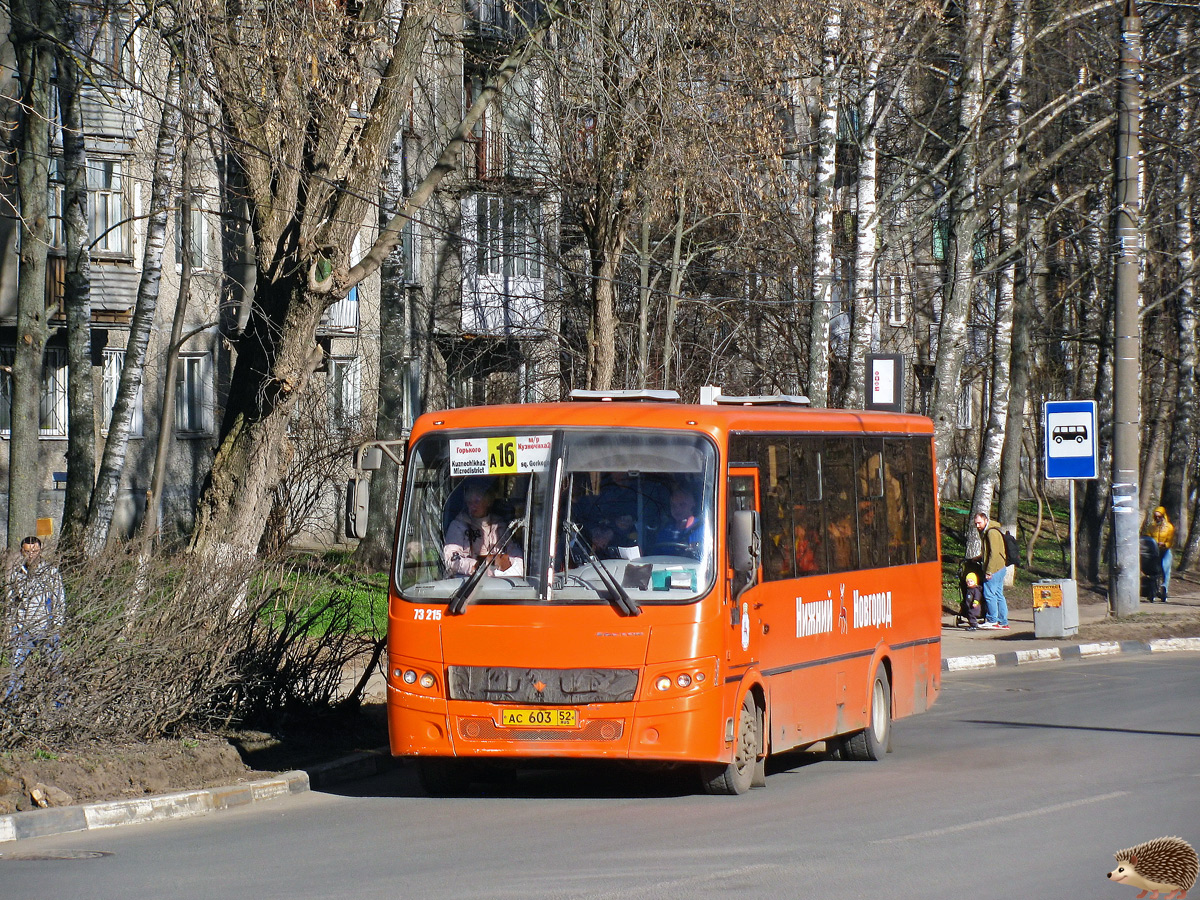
620	597
465	592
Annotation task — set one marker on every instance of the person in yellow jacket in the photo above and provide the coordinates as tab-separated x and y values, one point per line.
1163	532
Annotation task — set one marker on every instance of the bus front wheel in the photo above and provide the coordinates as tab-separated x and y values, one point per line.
738	776
876	739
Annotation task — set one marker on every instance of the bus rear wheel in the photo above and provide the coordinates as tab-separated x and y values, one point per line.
876	739
738	776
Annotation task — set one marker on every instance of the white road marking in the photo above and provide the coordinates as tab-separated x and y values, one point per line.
987	823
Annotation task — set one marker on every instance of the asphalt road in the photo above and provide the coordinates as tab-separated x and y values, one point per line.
1019	783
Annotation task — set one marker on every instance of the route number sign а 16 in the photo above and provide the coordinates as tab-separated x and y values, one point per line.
499	455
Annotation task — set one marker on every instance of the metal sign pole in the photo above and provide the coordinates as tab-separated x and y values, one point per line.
1072	501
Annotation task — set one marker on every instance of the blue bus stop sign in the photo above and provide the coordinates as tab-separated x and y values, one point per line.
1071	446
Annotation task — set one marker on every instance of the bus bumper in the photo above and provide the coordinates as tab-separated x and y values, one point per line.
682	729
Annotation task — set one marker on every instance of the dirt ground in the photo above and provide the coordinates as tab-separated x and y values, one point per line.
121	771
118	771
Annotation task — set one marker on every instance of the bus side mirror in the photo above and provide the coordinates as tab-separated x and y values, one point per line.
358	502
745	546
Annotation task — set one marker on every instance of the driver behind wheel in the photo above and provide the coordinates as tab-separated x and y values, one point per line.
681	534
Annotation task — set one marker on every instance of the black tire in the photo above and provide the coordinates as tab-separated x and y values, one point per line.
875	740
738	776
443	776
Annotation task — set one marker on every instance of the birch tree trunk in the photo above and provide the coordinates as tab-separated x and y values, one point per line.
965	218
996	430
644	292
1028	292
1185	430
1096	313
674	286
866	238
81	393
31	23
112	462
152	515
826	165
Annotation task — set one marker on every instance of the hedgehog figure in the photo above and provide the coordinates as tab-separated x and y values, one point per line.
1164	865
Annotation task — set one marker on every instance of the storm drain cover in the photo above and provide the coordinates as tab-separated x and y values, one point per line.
57	854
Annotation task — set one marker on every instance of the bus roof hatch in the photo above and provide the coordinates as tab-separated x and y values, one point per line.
609	396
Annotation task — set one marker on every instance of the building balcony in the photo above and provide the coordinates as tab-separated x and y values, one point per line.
501	21
496	156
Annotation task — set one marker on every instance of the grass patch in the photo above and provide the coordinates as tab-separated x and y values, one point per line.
1051	548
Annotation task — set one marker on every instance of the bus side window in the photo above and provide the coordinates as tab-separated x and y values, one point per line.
841	526
807	527
770	455
897	486
924	495
872	513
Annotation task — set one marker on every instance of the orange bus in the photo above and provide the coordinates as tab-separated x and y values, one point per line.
628	577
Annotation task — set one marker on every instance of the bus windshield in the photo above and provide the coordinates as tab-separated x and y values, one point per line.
566	516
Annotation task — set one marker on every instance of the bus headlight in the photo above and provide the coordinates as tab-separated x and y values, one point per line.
427	680
674	679
410	677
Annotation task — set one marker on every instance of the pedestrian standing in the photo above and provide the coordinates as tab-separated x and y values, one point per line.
37	610
994	571
1163	532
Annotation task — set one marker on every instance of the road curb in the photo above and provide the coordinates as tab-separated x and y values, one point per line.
185	804
1070	651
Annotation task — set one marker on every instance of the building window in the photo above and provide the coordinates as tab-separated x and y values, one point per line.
409	248
345	391
897	310
193	394
491	237
107	225
114	362
965	414
941	240
58	239
509	236
342	314
104	37
199	236
53	403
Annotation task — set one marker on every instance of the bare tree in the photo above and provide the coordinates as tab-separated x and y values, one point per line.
81	401
32	29
823	181
112	462
311	97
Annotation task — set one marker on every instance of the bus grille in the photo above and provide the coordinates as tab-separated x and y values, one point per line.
496	684
484	729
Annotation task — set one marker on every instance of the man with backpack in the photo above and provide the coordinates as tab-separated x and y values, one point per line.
995	563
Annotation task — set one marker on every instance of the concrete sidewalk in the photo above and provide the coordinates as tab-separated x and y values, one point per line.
962	649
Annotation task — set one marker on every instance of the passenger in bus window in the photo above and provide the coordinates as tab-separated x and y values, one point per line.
806	552
632	505
681	534
476	532
842	538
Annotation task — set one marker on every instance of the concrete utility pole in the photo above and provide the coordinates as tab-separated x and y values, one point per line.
1123	575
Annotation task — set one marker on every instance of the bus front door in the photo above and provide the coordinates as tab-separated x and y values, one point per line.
745	619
